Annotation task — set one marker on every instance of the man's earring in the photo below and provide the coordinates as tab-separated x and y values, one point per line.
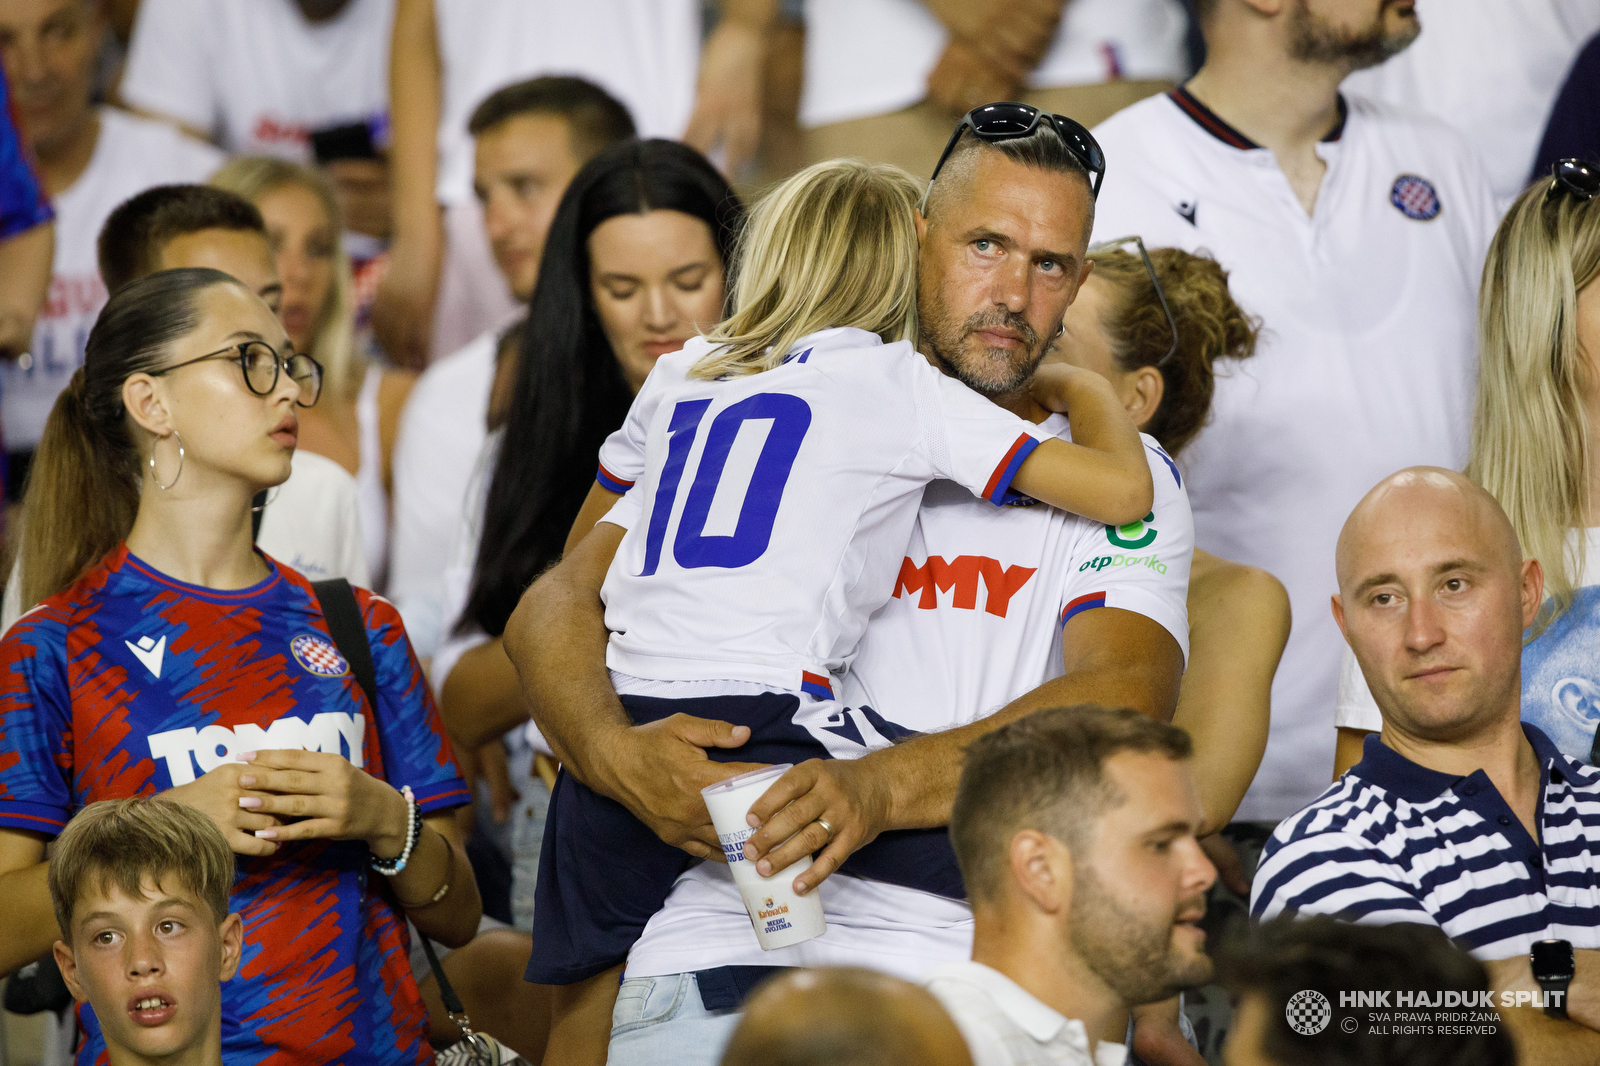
156	477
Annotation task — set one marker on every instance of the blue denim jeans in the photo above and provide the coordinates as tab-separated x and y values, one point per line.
526	829
660	1021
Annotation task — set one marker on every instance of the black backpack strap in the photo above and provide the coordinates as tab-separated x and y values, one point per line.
349	632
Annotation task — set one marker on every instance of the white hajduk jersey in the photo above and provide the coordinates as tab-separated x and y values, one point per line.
1366	361
776	506
1490	68
646	53
984	600
130	155
257	76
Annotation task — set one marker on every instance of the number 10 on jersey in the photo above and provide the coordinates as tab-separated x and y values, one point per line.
691	548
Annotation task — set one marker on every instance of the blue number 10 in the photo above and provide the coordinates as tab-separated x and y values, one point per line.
791	418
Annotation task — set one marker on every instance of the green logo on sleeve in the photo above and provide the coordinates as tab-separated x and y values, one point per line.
1134	534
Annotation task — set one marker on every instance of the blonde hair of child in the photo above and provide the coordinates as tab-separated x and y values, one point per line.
834	245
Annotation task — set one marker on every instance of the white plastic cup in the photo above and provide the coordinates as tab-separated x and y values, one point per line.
780	916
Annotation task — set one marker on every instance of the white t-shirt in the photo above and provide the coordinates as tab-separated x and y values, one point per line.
1365	362
1560	670
131	155
802	482
442	432
1490	68
1005	1025
930	666
456	582
870	57
256	74
646	53
312	523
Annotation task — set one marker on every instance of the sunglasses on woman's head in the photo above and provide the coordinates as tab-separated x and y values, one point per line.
260	366
1007	121
1155	283
1575	177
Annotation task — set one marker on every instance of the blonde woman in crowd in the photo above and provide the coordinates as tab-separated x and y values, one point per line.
356	422
1534	447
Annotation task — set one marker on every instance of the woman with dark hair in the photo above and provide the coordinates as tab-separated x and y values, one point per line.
635	264
170	655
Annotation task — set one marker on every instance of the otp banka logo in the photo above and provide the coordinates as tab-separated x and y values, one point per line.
335	732
1133	535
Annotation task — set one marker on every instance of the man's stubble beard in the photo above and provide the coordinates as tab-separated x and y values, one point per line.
948	343
1314	41
1133	957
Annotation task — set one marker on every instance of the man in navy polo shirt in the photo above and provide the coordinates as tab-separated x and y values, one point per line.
1458	815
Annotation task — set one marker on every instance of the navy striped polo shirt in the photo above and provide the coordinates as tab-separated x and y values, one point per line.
1392	841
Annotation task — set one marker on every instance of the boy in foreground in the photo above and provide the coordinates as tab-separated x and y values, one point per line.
140	888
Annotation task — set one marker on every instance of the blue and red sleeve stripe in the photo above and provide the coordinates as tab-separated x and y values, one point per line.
816	685
34	817
1086	602
1000	481
444	794
611	482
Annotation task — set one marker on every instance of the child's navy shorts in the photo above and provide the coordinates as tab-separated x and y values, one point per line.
603	874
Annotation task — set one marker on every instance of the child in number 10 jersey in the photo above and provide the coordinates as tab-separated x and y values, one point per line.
773	473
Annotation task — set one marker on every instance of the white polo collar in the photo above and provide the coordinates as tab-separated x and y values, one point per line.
1041	1022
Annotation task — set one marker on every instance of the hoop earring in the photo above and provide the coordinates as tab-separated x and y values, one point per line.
155	477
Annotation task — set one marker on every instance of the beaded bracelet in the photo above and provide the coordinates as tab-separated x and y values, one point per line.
390	867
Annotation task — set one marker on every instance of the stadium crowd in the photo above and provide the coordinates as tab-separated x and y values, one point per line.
433	477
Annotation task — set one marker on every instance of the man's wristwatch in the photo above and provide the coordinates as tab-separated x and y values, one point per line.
1553	967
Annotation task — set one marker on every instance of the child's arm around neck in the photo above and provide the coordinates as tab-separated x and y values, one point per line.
1103	474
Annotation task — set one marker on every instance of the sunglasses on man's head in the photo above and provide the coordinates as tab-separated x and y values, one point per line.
1008	121
1575	177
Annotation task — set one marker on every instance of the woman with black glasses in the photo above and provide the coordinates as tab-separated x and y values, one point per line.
170	655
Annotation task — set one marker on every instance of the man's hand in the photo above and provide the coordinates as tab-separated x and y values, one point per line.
727	103
1010	34
839	791
964	78
657	772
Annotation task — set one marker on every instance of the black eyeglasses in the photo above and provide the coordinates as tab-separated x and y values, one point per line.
1008	121
1575	176
260	366
1155	282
